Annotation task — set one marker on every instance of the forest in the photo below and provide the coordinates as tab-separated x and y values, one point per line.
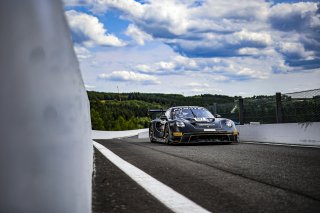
125	111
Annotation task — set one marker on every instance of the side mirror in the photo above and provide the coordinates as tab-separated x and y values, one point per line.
163	117
217	116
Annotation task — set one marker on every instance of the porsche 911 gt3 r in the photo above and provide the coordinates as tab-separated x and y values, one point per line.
191	124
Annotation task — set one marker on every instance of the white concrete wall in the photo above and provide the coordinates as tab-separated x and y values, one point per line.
144	134
45	132
115	134
288	133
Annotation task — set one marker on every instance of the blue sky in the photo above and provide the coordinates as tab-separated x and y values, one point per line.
235	47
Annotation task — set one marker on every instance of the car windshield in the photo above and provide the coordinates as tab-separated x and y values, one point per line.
191	113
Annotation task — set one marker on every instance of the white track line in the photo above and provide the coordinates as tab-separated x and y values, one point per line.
281	144
166	195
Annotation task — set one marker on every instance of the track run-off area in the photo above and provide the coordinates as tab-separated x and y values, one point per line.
140	176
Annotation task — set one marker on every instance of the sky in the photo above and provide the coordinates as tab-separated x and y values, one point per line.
192	47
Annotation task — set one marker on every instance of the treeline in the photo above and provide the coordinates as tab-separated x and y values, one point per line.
120	115
163	99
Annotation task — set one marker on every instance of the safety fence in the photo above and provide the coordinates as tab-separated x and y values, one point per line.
301	106
296	107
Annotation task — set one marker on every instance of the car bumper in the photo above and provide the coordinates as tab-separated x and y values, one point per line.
205	137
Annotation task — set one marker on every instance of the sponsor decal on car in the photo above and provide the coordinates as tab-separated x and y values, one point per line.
209	130
201	119
177	134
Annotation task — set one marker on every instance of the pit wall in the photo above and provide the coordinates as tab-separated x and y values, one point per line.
286	133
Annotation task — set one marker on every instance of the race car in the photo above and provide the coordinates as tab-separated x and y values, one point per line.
191	124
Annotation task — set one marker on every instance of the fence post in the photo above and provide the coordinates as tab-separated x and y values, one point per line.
214	108
241	111
279	108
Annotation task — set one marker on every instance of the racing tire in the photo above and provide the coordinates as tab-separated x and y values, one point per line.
236	140
167	135
151	136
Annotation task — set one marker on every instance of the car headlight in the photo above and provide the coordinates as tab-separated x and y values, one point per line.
229	123
180	124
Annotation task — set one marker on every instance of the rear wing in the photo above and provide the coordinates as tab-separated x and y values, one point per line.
153	112
156	111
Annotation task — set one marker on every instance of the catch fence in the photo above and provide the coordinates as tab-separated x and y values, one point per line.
296	107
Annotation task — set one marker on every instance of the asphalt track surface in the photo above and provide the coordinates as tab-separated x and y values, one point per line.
220	178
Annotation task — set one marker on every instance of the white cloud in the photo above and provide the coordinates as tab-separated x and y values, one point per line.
286	16
139	36
156	17
167	66
129	6
219	69
143	68
219	28
202	90
89	86
187	63
245	71
178	65
196	84
169	18
213	69
202	87
89	31
255	37
76	2
298	28
129	76
295	50
233	9
160	17
82	52
212	72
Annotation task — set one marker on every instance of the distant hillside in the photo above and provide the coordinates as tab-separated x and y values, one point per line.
163	99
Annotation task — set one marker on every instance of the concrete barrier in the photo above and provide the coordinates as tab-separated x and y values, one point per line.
144	134
287	133
115	134
46	154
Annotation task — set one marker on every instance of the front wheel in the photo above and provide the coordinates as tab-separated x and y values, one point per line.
236	139
151	136
167	135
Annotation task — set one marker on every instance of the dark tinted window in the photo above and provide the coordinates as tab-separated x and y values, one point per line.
191	113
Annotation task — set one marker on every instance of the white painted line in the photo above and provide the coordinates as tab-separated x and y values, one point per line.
166	195
281	144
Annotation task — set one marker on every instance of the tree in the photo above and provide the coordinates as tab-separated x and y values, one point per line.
96	120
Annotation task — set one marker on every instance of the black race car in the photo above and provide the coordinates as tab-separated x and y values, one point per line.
191	124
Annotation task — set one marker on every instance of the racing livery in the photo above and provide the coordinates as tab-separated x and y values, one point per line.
191	124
